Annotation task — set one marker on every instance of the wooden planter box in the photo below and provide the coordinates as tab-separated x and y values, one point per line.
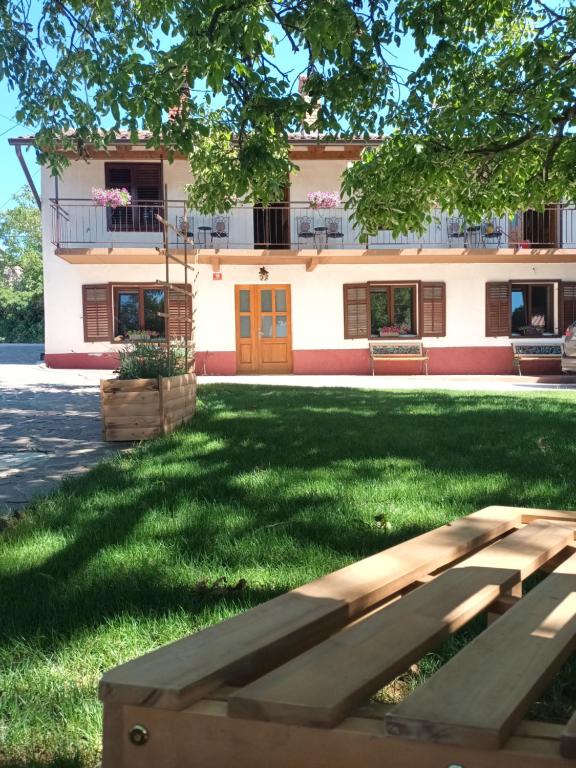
138	409
288	683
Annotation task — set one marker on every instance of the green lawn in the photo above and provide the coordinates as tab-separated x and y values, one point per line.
275	486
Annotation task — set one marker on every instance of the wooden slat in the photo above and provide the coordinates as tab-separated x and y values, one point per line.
132	421
128	435
126	398
129	385
568	738
204	736
321	686
269	634
481	694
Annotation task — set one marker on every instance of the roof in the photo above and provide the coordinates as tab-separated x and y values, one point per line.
123	137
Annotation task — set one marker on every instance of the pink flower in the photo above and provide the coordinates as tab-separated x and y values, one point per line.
324	199
113	198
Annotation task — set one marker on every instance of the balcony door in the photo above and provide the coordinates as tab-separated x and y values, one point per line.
263	329
272	223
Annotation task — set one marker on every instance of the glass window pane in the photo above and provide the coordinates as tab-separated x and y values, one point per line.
519	309
379	315
281	301
128	312
245	331
266	301
266	326
244	301
541	308
154	303
403	308
281	326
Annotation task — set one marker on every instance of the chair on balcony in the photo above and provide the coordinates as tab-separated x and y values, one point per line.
456	227
334	228
220	229
305	228
491	233
185	226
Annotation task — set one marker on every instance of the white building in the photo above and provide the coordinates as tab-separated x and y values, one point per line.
465	290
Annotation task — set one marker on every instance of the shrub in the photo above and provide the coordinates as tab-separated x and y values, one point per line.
145	360
21	316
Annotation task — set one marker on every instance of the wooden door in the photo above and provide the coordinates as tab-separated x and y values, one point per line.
263	329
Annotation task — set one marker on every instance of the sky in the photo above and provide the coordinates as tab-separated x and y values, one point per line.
12	177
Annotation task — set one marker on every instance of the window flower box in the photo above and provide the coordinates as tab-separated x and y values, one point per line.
324	199
393	330
111	198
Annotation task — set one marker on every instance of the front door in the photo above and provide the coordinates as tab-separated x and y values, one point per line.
263	329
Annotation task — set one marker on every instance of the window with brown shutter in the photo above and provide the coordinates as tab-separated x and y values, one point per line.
433	304
97	311
497	309
356	311
567	305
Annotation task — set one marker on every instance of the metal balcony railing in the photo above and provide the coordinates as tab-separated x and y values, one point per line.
80	223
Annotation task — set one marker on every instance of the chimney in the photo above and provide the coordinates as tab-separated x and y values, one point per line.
311	117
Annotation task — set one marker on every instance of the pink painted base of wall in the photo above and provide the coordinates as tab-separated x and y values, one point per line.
447	360
105	360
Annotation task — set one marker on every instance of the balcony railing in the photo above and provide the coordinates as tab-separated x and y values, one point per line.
79	223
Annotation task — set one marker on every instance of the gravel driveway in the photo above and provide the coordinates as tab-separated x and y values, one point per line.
49	424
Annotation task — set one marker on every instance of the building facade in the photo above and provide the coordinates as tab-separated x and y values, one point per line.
465	290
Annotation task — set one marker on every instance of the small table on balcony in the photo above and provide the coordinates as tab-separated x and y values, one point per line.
203	236
320	238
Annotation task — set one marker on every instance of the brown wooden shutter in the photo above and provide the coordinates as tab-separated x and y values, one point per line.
147	182
498	309
433	306
179	313
97	309
356	311
567	305
118	176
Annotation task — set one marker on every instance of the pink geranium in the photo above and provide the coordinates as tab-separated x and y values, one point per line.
111	198
324	199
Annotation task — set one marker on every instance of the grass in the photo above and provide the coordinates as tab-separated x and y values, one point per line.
273	486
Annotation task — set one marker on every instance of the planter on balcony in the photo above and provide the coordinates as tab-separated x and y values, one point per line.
138	409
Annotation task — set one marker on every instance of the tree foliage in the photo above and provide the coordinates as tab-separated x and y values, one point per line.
484	123
21	293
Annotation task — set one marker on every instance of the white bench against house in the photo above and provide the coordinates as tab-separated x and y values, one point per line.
394	351
545	350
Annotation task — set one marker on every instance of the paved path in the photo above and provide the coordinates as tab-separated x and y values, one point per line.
49	425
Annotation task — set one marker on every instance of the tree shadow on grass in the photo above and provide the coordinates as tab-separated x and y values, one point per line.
278	484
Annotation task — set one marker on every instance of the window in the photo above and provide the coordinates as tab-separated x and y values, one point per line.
377	310
532	309
144	182
139	309
523	309
392	310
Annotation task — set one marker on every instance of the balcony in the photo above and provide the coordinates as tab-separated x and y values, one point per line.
283	230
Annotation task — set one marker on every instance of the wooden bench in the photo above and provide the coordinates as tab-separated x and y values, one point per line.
289	682
394	351
544	350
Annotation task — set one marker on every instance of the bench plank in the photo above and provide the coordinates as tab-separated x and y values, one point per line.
322	685
568	738
481	694
180	673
